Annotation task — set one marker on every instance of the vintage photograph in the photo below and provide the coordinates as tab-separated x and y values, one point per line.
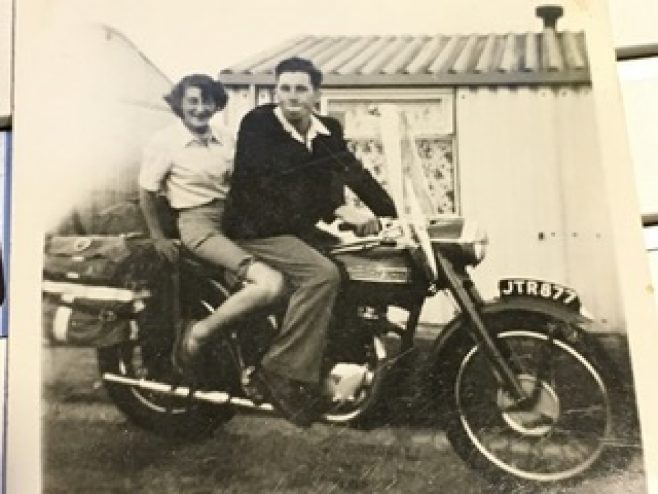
364	247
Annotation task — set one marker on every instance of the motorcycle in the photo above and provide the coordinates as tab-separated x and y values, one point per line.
516	381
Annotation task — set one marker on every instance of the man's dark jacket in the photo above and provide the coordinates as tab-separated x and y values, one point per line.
280	187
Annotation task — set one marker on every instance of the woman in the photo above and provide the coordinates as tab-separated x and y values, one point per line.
191	162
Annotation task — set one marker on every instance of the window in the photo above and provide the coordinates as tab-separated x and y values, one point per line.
430	136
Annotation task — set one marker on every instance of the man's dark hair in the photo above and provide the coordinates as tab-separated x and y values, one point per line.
297	64
209	87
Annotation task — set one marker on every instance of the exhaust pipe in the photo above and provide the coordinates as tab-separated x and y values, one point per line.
215	397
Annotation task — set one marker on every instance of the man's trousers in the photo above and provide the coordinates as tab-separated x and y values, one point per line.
297	350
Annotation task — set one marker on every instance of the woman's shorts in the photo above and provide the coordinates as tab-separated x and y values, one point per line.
200	232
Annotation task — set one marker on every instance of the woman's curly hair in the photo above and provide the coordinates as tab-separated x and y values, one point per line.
209	87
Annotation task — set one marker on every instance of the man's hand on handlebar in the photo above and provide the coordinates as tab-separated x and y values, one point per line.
362	224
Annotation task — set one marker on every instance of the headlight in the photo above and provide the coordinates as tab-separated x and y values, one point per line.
480	248
474	242
460	239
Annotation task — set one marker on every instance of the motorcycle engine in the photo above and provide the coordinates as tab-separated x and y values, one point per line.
345	379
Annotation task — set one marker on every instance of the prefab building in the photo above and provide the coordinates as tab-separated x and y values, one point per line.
504	125
506	132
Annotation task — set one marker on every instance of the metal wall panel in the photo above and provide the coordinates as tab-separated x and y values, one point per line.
508	172
509	185
589	242
108	104
529	167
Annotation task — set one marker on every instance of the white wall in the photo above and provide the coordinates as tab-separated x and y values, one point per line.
530	174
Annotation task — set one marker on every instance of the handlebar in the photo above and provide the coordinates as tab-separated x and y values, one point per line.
387	237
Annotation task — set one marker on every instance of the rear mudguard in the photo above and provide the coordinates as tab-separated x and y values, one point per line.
577	327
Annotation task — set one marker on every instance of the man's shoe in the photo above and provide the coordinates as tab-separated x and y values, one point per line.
291	398
183	361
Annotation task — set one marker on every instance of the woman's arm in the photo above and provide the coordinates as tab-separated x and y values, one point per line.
166	248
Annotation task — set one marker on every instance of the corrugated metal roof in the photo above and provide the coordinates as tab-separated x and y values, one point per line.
547	57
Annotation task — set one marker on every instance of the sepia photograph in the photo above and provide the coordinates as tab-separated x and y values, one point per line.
356	247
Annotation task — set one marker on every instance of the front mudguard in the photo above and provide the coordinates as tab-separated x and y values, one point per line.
578	328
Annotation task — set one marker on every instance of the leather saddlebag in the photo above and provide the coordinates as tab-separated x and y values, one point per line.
96	288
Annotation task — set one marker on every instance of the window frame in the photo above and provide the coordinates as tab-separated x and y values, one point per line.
405	95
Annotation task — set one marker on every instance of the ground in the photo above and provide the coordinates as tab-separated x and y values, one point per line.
90	447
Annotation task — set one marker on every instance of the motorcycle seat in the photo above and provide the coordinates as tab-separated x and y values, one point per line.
199	268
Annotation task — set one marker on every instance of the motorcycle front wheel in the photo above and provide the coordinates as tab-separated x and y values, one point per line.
562	429
180	418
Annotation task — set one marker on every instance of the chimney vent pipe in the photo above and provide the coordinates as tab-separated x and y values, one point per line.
549	14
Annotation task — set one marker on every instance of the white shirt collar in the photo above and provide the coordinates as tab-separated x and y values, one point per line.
184	137
316	128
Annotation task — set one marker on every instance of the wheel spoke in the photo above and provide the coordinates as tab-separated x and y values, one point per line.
559	433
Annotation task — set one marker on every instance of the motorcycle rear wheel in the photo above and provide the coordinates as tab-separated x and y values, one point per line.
165	415
559	435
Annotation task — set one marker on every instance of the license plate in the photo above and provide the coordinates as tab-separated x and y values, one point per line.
545	290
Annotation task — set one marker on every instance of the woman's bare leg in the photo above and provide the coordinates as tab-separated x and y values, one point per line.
263	286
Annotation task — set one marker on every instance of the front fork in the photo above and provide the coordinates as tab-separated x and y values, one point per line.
467	297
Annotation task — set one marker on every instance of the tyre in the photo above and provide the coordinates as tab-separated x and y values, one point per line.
165	415
559	434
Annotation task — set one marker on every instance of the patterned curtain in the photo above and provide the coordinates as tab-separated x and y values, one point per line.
430	125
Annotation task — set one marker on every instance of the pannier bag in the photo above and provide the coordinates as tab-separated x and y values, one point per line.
95	288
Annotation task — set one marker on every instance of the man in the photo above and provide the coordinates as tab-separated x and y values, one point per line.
290	170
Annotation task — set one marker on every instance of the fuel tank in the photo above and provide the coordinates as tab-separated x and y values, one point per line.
379	264
381	275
